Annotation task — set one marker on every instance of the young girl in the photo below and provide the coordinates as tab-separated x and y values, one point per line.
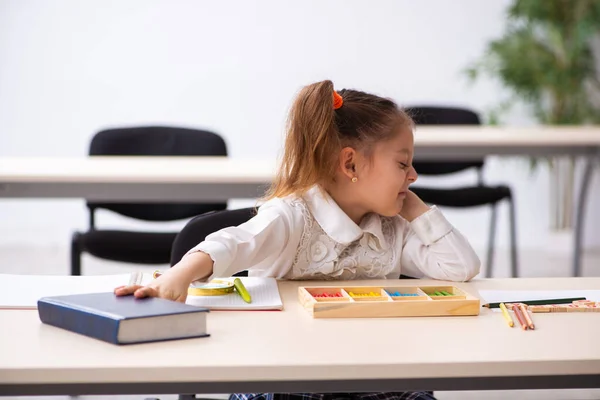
339	208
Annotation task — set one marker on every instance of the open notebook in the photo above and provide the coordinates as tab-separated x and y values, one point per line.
264	293
23	291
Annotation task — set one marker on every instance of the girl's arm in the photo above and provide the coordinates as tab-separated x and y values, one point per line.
259	242
432	247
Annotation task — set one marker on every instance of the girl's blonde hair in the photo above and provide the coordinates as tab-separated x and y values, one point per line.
316	132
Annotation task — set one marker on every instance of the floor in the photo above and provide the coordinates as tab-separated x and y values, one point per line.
54	260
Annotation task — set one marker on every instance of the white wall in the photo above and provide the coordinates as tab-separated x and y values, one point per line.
69	68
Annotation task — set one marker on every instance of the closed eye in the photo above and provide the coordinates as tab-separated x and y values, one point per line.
403	165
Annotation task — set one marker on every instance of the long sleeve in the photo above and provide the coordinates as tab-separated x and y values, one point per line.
259	244
433	248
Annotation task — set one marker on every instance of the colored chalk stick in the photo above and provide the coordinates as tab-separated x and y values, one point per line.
328	295
398	294
369	294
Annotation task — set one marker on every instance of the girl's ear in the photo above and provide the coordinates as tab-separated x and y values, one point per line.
347	162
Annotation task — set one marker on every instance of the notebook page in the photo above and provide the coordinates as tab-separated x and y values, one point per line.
23	291
263	291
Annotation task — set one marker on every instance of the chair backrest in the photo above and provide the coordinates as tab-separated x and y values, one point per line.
157	141
198	228
444	116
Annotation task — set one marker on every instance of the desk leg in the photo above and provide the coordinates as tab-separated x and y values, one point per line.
580	214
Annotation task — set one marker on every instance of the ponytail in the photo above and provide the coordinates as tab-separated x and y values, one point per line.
311	142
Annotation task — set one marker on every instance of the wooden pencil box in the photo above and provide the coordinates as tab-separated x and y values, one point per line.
387	301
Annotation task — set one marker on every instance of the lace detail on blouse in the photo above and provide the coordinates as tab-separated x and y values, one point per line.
320	257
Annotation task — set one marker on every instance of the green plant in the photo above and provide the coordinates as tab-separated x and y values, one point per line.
546	60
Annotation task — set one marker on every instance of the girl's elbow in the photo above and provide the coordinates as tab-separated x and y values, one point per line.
461	270
472	266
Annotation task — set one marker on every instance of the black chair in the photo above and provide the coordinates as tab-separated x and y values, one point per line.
198	228
463	197
143	247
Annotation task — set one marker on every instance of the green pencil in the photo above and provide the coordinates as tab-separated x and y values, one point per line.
241	289
536	302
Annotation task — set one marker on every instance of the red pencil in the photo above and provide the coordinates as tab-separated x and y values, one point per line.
528	319
520	317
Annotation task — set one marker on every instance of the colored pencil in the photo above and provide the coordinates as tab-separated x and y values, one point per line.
520	317
506	315
527	317
536	302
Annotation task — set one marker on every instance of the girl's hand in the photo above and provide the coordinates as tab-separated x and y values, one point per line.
170	286
174	283
413	207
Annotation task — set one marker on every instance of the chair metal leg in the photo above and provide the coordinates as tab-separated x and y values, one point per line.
513	238
75	255
491	240
580	214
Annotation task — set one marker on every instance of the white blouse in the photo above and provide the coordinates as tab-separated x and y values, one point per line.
310	237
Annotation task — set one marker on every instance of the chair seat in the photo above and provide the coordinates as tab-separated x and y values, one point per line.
128	246
463	197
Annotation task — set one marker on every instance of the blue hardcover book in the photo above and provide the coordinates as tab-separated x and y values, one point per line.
123	319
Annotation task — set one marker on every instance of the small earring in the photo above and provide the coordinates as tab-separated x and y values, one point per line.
354	179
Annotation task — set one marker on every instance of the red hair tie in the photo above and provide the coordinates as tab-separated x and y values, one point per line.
337	100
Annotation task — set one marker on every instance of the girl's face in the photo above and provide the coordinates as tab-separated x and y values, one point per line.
383	180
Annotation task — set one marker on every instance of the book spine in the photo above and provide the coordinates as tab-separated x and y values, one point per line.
79	321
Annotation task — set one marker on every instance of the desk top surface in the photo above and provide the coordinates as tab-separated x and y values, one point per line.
224	170
291	345
461	136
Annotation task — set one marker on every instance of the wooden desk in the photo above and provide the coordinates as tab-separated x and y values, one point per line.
289	351
143	179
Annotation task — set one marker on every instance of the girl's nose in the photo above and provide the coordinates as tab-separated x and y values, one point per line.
412	175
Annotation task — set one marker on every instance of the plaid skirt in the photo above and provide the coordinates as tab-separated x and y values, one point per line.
334	396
